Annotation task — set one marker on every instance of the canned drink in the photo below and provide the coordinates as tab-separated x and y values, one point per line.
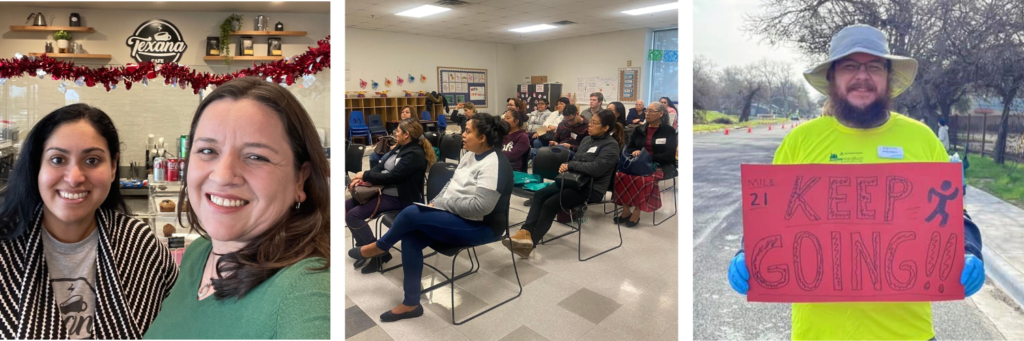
172	169
181	169
159	169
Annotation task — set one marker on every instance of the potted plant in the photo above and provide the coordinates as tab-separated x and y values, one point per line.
232	23
62	37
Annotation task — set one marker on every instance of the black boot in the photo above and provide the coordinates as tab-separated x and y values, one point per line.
376	264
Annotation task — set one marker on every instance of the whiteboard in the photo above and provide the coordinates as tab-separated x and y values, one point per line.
608	86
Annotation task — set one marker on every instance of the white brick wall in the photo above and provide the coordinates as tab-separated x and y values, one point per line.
155	109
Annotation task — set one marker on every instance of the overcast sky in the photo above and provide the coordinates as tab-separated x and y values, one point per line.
718	35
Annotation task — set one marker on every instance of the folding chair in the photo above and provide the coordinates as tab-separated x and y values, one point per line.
579	222
438	176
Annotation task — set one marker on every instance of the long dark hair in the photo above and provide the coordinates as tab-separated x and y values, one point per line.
519	116
21	197
607	118
670	105
302	233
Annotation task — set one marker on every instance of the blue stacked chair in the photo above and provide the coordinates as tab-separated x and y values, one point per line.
376	126
425	116
442	124
357	127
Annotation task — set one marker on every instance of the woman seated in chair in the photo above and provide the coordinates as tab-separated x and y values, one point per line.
657	138
374	157
516	144
596	158
460	212
401	172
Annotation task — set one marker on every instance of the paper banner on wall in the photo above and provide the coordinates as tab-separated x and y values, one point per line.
423	78
476	93
654	55
671	56
412	79
387	82
374	84
400	80
362	84
853	233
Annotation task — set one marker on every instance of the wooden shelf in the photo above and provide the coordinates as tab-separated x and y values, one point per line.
270	33
389	107
51	29
71	55
244	58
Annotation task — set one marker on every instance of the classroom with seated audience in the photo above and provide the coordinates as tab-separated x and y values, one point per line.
511	170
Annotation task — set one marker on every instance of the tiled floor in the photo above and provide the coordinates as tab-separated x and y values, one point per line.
629	293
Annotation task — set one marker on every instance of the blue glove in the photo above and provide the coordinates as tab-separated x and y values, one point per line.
739	276
973	276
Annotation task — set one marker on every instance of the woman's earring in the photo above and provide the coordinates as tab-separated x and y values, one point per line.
297	204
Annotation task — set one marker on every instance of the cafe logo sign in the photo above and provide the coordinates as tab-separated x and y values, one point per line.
157	41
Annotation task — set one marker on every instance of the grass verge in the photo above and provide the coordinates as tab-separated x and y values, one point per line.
1005	181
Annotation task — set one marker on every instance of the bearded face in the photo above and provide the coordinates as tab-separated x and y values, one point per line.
859	90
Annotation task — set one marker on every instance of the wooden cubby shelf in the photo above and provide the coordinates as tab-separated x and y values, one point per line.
244	58
390	107
72	55
270	33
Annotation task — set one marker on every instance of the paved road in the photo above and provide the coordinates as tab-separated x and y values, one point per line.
721	313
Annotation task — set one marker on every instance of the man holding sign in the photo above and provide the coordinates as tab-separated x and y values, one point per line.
847	224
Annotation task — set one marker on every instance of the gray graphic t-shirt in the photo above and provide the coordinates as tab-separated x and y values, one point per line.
72	270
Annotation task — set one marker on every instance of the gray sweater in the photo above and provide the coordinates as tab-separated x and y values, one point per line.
472	192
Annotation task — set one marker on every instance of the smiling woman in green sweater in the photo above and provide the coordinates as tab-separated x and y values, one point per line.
256	183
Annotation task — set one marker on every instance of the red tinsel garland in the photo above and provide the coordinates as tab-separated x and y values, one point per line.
311	62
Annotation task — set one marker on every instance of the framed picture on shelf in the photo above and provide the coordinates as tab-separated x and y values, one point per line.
245	46
274	47
212	46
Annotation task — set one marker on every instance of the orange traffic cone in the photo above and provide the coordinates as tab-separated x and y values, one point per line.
750	130
769	127
783	126
727	130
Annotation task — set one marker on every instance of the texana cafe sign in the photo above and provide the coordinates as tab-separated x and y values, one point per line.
157	41
853	233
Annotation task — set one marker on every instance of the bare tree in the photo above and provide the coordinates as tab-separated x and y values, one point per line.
705	87
1000	59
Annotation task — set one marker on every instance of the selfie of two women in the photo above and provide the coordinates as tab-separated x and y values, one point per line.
194	205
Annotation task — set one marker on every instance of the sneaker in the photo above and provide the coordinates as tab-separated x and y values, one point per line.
528	202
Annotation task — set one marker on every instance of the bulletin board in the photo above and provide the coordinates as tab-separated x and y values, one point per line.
461	85
608	86
629	84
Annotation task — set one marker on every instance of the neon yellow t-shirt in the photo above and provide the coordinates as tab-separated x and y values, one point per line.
826	141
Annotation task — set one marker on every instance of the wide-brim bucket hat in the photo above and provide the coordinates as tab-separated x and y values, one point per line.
869	40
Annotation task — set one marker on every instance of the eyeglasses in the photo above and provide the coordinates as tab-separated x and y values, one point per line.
874	68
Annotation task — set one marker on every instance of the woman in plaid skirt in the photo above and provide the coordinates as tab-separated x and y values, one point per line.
641	193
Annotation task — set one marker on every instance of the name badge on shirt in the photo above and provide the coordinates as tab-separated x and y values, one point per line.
660	141
573	135
397	160
890	152
592	150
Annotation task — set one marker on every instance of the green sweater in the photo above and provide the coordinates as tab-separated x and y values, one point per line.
293	304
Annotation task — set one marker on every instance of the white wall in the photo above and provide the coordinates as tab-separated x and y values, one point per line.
143	110
566	60
376	55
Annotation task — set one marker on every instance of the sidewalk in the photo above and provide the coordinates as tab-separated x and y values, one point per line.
1002	233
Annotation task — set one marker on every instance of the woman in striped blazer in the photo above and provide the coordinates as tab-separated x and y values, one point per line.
73	262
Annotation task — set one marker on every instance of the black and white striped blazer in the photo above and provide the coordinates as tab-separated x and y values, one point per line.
134	273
